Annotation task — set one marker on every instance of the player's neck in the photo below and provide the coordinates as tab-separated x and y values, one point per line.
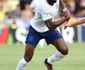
50	3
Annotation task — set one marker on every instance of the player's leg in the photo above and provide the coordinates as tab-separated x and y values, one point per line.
29	51
62	50
55	38
31	42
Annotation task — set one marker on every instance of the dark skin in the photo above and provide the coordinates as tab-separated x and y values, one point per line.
66	17
59	44
51	2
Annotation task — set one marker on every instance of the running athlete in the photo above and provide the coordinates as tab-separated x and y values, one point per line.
43	25
79	22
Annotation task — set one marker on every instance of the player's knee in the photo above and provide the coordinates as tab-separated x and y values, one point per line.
28	58
64	51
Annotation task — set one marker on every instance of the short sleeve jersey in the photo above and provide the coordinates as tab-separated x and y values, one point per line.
44	12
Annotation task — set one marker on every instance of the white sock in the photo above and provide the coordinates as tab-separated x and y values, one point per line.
21	65
57	56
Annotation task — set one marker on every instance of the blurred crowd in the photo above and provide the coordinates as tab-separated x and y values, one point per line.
20	12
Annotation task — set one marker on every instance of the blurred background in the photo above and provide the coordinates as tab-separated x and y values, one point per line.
15	17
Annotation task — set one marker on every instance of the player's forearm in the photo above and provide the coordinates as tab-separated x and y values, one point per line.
66	13
79	22
60	22
62	4
53	24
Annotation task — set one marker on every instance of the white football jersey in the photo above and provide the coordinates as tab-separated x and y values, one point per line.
44	12
34	4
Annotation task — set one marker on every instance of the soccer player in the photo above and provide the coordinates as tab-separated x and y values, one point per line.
79	22
44	26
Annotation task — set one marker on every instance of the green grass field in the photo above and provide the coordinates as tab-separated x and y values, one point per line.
11	54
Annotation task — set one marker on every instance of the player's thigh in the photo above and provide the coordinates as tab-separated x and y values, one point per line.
32	40
33	37
29	50
61	45
31	43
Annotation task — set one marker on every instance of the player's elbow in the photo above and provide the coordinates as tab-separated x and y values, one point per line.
68	17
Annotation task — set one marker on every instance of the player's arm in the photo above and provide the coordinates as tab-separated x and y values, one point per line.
53	24
47	18
66	13
79	22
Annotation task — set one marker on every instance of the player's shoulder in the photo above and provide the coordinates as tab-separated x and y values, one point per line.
43	5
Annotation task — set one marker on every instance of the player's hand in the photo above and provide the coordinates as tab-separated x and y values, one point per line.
67	15
67	25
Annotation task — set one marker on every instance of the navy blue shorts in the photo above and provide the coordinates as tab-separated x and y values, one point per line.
34	37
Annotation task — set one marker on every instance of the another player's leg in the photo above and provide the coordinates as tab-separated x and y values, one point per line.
29	51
